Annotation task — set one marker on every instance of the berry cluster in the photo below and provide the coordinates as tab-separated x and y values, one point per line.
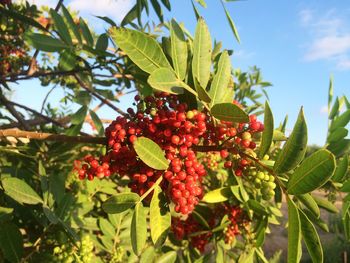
265	182
91	167
237	218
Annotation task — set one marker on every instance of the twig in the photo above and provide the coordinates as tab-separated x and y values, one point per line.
51	137
46	97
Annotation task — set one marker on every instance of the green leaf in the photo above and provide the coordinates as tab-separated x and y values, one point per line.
313	172
120	203
160	218
169	257
335	109
11	242
164	79
178	49
97	122
330	92
200	219
20	191
202	48
157	8
257	207
311	239
340	121
294	233
318	221
44	42
72	26
138	230
202	3
310	203
79	116
219	85
340	147
102	42
325	204
141	48
278	136
337	135
267	134
342	169
346	187
12	13
294	149
218	195
150	153
86	33
61	27
106	228
148	255
5	214
232	24
229	112
67	60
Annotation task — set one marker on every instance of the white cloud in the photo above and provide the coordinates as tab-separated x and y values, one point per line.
243	54
330	37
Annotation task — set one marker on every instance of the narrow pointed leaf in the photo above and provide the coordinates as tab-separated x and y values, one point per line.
232	24
20	191
219	86
97	121
67	60
160	218
337	135
120	203
79	116
178	50
334	110
61	27
294	150
340	147
86	33
150	153
342	169
340	121
72	26
157	8
267	134
310	203
318	221
311	239
106	227
218	195
202	48
11	242
313	172
294	234
195	11
44	42
325	204
138	230
142	49
330	93
229	112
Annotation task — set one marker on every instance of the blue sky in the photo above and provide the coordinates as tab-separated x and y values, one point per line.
297	45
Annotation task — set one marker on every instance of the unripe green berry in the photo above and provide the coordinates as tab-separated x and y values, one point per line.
261	175
190	115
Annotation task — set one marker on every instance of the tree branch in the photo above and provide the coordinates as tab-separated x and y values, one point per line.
51	137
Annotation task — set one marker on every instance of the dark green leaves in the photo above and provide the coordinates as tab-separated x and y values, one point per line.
79	116
310	203
138	230
44	42
97	122
294	149
150	153
5	214
120	203
232	24
142	49
340	121
201	54
218	88
342	169
160	218
312	173
11	242
267	134
20	191
178	50
229	112
294	233
61	27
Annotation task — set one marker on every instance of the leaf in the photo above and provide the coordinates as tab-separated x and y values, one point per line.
311	238
102	42
150	153
346	187
340	147
219	85
340	121
18	16
97	122
318	221
257	207
195	11
200	219
232	24
138	230
218	195
202	3
294	233
5	214
313	172
164	79
141	48
148	255
61	27
335	109
330	92
67	60
120	203
169	257
178	49
342	169
267	134
20	191
278	136
86	33
160	218
310	203
44	42
11	242
106	228
229	112
157	9
325	204
337	135
79	116
72	26
201	54
294	149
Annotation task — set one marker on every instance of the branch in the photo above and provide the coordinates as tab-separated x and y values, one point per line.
51	137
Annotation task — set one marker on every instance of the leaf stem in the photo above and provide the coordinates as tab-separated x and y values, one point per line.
159	180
